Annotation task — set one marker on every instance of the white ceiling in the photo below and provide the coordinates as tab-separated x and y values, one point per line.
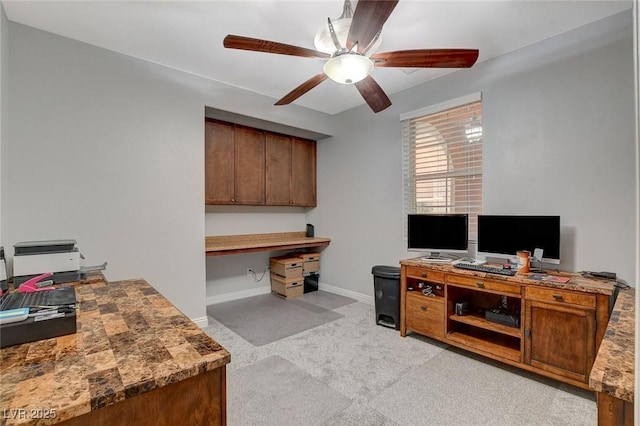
188	35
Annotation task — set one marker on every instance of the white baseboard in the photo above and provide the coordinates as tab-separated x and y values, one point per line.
227	297
369	300
201	322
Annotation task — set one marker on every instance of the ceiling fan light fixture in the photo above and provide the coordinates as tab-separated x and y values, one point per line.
348	68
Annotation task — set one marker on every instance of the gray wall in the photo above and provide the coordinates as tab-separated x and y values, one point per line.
558	139
109	150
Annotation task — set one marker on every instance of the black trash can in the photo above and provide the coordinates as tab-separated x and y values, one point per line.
386	284
311	282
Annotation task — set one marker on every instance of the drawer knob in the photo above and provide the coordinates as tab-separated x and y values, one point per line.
423	274
480	284
557	296
423	308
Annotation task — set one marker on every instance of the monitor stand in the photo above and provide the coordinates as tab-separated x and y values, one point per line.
436	258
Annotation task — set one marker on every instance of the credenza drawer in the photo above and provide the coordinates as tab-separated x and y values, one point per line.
481	283
560	296
425	315
434	276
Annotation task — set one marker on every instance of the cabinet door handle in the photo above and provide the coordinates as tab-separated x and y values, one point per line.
480	284
557	296
423	308
527	332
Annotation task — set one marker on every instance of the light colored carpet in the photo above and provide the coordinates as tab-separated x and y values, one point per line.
292	398
387	380
267	318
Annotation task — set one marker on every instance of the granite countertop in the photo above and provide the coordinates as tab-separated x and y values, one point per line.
613	370
576	281
130	340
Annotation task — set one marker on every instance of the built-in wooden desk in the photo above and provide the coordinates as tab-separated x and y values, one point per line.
612	375
249	243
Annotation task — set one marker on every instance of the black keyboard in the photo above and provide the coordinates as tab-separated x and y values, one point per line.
482	268
56	297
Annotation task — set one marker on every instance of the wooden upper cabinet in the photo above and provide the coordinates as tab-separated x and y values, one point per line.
278	180
290	171
254	167
234	164
218	157
249	166
303	172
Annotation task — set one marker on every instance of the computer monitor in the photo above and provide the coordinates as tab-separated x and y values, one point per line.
438	233
504	235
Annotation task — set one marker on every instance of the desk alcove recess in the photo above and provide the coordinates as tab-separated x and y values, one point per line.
556	328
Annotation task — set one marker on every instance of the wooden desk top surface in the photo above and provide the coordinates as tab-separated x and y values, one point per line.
130	340
236	244
576	281
614	368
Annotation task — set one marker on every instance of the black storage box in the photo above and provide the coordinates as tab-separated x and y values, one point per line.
311	282
17	333
386	283
511	320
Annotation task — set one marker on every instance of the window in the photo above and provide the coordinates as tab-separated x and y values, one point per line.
442	159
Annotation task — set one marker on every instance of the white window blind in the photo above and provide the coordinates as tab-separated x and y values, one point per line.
442	160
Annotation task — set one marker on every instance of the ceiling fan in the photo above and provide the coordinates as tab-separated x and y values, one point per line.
352	59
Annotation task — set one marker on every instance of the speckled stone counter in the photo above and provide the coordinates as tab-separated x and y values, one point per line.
132	347
612	375
576	281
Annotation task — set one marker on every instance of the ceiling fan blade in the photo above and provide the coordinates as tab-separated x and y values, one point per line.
302	89
259	45
368	19
427	58
373	94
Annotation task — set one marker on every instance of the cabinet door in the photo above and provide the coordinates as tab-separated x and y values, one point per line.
560	339
249	166
303	172
278	173
218	163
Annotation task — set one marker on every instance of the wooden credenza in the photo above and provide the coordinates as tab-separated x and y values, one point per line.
555	328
